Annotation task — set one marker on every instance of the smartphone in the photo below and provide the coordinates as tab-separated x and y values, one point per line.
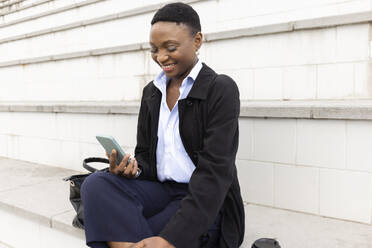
109	143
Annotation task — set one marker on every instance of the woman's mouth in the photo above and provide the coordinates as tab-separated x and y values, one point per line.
168	68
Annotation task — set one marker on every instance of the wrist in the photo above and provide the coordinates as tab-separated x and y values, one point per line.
138	173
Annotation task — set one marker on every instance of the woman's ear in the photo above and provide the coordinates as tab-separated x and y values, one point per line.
198	40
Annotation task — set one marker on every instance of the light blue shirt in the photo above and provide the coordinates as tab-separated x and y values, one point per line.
173	163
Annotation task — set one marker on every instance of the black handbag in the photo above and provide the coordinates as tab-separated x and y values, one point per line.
266	243
75	183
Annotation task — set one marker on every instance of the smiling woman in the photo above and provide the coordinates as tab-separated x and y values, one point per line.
187	194
174	48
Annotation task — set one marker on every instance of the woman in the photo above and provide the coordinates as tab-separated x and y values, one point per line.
181	190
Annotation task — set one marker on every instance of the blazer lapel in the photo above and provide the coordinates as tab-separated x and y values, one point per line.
153	104
202	82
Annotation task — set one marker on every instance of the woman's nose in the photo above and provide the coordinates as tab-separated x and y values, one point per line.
162	57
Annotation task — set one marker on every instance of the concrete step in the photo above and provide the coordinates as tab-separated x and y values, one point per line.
14	5
29	8
2	245
35	212
299	230
34	206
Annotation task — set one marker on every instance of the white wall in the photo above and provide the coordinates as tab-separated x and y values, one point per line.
315	166
330	63
321	167
327	63
239	13
115	78
62	139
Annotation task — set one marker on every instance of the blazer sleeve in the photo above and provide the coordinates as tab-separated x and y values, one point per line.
215	168
142	150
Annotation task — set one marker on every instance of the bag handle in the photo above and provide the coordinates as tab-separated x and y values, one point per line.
91	160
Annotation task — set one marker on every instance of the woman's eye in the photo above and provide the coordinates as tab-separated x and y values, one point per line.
171	48
154	50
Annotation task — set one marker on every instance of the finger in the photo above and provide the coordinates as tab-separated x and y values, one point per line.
135	167
113	156
128	170
119	169
140	244
123	164
125	159
112	162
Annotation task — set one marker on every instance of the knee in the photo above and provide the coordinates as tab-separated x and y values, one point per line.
92	184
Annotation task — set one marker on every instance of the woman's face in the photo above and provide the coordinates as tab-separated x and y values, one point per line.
173	48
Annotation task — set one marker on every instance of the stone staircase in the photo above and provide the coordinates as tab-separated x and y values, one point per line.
85	43
35	212
34	206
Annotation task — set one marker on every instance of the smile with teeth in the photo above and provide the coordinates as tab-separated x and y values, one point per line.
168	67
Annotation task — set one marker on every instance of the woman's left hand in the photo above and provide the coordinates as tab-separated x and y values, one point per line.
153	242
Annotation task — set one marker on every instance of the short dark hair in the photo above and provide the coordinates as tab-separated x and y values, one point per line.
179	13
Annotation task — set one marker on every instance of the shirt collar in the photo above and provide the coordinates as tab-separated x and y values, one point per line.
161	79
195	70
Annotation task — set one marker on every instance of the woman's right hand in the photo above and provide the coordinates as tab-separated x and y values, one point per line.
128	167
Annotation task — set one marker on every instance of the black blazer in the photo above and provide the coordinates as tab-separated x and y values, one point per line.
208	124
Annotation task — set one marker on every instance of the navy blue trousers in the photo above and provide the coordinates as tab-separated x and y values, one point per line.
129	210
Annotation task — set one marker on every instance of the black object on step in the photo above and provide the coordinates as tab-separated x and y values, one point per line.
75	183
266	243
